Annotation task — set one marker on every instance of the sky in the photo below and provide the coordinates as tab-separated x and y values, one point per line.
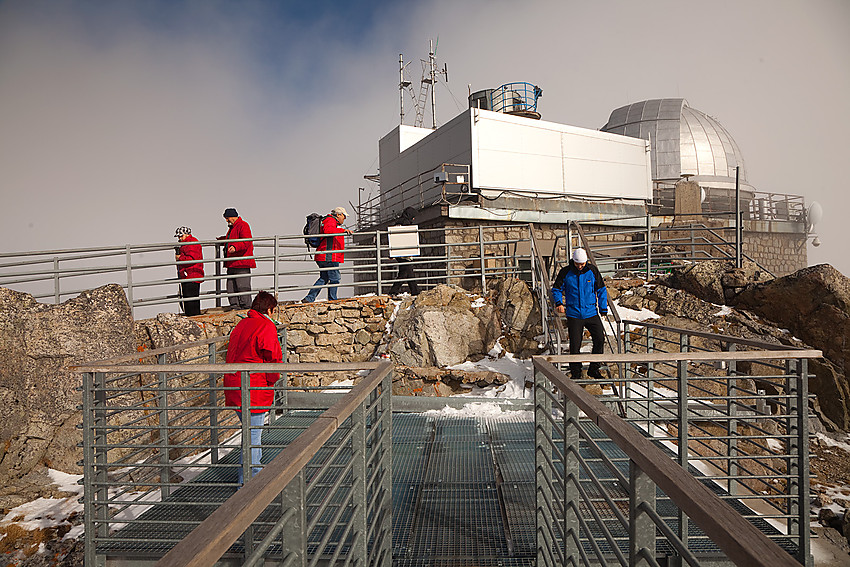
120	121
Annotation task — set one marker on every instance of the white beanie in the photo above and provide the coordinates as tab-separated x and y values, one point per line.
579	256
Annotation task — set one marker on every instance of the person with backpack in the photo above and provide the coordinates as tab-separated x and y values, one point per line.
579	292
329	254
189	251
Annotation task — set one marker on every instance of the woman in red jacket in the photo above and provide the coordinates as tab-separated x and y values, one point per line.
254	339
187	252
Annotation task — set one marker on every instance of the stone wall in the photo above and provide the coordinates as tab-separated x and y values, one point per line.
335	331
780	253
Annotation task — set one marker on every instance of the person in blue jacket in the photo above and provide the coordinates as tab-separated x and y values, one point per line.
579	292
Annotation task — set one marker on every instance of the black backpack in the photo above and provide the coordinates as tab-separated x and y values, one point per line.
313	227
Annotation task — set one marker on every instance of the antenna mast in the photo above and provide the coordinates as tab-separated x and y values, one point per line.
426	84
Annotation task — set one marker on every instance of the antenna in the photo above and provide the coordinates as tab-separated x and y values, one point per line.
426	86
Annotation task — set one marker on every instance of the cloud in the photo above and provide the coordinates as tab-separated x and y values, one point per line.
124	120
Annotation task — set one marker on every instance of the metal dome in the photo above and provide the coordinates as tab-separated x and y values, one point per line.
683	140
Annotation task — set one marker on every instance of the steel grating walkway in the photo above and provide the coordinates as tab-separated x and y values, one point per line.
463	494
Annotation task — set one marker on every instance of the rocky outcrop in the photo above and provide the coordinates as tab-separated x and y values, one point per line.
39	396
519	312
716	281
442	327
813	303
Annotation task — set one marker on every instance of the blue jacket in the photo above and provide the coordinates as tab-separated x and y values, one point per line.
580	292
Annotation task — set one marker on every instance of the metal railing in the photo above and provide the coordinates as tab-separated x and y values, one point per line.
445	184
161	454
147	272
755	205
701	473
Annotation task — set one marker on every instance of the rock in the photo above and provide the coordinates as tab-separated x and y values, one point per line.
441	328
39	394
519	313
716	281
845	525
814	305
829	519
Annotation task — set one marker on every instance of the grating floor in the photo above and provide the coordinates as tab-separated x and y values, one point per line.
463	494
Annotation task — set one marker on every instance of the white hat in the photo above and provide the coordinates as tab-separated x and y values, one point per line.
339	211
579	256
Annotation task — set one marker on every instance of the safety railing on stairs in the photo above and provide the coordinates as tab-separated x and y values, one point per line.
702	472
161	453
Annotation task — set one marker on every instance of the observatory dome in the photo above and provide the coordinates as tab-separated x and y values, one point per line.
683	141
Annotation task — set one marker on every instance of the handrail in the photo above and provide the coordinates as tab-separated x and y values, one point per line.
546	284
205	545
715	336
742	542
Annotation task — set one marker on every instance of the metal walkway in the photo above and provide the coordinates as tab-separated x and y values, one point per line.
463	492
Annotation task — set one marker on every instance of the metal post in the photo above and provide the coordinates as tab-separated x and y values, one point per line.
162	410
481	256
282	385
378	259
386	465
571	479
732	430
641	526
682	532
542	433
650	391
800	507
648	246
294	536
276	264
96	492
129	279
359	497
244	384
213	409
56	294
217	275
739	219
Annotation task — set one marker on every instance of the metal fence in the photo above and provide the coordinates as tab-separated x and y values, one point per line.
737	420
147	272
161	454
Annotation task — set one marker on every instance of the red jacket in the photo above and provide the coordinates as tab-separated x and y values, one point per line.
240	229
254	339
331	226
190	252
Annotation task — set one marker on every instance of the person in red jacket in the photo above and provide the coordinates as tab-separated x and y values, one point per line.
240	260
329	255
189	252
254	339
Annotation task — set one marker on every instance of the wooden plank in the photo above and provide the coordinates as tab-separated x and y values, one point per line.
228	367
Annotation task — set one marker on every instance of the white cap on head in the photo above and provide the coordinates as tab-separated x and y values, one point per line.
339	211
579	256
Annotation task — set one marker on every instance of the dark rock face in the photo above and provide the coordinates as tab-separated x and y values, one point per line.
520	316
813	303
38	395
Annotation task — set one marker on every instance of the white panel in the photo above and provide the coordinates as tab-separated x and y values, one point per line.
522	154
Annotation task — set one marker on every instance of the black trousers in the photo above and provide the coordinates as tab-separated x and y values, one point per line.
405	274
576	327
189	290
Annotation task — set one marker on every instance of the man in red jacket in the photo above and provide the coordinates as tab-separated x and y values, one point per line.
240	260
190	266
254	339
329	262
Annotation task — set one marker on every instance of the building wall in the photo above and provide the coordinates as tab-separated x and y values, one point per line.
780	253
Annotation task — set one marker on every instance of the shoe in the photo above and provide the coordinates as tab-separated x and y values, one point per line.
306	300
595	374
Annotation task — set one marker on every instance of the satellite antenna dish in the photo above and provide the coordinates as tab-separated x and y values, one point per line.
814	214
701	195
